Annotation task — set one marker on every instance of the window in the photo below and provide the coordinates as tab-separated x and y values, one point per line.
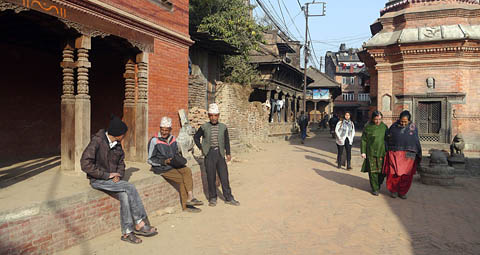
348	80
349	96
364	97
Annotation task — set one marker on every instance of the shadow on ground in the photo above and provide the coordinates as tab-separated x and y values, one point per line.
15	173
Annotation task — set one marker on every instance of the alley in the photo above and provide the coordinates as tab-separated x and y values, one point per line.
295	201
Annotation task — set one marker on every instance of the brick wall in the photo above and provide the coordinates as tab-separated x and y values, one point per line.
176	20
247	121
197	92
168	84
57	225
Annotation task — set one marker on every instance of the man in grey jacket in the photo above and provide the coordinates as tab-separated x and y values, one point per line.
215	146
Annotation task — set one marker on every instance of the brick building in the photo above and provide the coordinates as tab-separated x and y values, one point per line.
278	61
424	56
205	68
345	67
68	64
321	94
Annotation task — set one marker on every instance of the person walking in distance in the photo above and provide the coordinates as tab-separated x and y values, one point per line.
215	146
303	123
344	132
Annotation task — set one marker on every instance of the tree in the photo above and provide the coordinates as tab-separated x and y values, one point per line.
229	20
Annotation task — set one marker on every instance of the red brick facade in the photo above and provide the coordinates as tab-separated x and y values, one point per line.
168	88
399	71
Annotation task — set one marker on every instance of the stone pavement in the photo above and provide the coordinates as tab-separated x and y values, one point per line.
295	201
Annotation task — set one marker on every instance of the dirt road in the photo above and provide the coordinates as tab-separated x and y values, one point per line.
295	201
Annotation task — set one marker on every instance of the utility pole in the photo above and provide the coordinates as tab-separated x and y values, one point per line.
306	50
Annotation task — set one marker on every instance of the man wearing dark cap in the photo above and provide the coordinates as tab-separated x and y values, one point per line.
103	161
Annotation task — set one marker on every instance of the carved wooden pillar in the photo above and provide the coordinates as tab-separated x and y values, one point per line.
315	118
141	120
282	118
82	99
67	137
295	116
129	109
290	112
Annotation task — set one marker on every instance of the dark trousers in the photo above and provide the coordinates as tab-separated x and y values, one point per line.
215	163
348	149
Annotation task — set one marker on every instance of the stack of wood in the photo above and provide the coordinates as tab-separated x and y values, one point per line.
197	116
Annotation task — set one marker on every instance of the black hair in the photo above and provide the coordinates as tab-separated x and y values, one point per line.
405	113
376	113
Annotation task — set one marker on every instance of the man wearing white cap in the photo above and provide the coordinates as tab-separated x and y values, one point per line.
215	146
165	159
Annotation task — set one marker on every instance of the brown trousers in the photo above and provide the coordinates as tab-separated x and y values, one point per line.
183	177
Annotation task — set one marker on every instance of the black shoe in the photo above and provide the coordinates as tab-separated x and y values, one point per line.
339	165
212	202
194	201
192	209
403	196
375	193
232	202
349	166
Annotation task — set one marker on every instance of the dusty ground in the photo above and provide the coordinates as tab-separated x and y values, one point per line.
295	201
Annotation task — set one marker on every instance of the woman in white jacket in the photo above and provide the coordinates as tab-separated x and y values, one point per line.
344	132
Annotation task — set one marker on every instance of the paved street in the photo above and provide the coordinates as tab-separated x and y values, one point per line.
295	201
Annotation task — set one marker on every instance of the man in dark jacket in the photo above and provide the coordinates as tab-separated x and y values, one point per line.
215	146
303	123
332	123
163	156
103	161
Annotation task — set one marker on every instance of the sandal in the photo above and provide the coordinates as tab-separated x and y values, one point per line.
194	202
146	231
131	238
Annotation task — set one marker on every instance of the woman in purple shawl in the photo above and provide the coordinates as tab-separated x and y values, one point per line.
404	153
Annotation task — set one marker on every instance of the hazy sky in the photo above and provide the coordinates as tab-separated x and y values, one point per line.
346	21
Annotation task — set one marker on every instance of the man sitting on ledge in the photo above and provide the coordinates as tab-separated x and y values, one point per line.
103	161
165	159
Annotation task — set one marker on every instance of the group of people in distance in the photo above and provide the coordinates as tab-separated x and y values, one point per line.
103	160
394	152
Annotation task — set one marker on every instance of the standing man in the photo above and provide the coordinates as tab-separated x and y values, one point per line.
215	146
303	123
103	162
164	157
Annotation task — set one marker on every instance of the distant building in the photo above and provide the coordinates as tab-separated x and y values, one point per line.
278	61
346	68
321	94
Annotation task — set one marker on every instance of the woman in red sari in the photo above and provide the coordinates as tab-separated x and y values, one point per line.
404	153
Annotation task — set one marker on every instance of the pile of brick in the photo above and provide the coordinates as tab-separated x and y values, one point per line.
197	116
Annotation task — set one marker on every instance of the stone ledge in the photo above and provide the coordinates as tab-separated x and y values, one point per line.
55	225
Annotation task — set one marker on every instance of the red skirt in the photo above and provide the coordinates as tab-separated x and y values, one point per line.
399	167
400	163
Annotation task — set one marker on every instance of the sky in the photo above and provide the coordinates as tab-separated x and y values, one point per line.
346	21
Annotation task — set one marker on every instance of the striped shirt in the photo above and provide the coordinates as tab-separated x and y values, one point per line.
214	138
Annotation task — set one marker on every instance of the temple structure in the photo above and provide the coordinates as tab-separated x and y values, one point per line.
424	56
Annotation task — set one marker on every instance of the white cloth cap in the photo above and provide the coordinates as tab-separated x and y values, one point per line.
166	122
213	109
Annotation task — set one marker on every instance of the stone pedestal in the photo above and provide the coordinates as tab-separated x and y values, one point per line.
457	161
438	172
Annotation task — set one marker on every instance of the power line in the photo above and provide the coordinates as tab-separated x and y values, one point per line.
293	20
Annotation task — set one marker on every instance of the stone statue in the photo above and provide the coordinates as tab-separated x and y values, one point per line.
430	83
185	136
457	146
